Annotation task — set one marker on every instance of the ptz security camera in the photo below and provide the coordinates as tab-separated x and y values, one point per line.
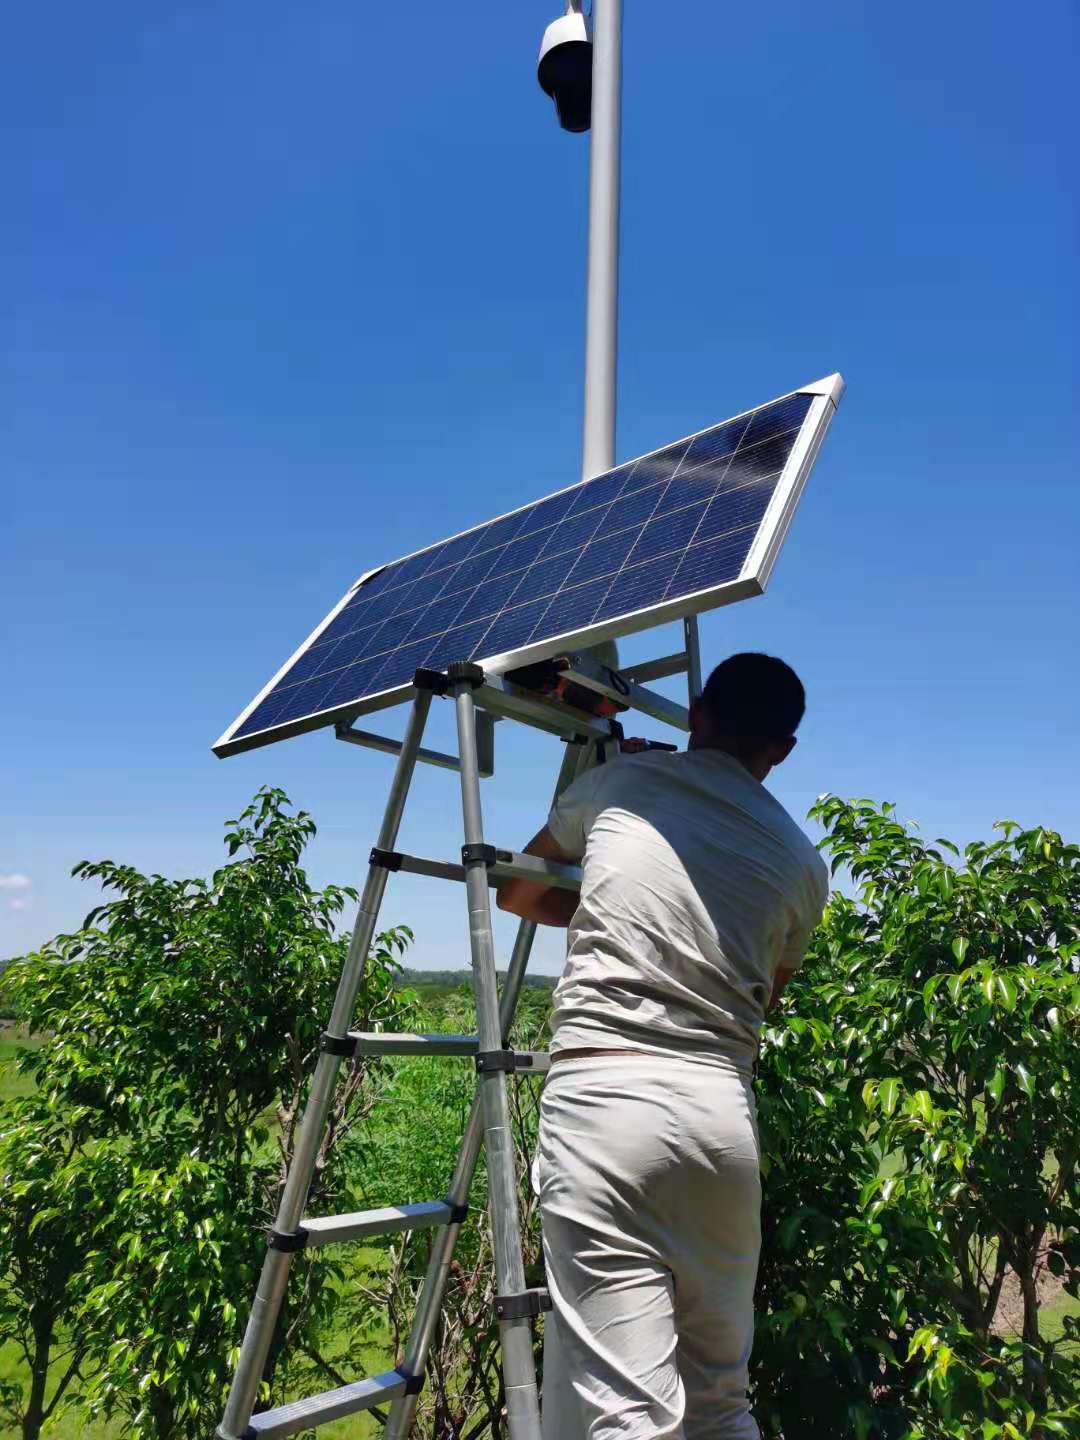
565	70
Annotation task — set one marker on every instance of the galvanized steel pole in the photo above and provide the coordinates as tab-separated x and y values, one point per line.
602	291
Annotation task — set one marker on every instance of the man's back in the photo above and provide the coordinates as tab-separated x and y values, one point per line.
697	887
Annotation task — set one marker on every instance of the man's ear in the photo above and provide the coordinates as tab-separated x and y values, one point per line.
781	749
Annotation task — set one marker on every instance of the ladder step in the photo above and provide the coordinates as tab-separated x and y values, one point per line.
508	865
333	1229
300	1415
378	1042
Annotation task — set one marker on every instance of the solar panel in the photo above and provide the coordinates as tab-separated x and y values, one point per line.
688	527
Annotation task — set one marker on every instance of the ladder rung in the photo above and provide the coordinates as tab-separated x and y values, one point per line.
540	1062
333	1229
378	1042
510	865
300	1415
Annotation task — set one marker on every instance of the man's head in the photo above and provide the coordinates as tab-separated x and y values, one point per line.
751	707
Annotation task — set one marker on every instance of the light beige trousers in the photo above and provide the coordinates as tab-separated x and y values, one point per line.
650	1198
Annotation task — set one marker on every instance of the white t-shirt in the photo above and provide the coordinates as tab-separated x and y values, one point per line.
697	887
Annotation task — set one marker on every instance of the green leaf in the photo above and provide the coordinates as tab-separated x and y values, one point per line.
1006	988
960	948
924	1106
1024	1079
996	1084
889	1094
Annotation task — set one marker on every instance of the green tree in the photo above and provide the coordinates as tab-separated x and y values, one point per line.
920	1111
50	1190
179	1028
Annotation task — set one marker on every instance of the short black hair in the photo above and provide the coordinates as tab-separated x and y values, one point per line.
756	696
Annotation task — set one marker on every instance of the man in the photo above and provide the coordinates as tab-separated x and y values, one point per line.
698	897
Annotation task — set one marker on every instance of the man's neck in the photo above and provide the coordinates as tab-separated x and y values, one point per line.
730	745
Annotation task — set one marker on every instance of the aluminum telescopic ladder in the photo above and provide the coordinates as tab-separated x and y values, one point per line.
481	866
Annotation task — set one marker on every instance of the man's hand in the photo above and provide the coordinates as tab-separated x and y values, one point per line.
532	899
780	979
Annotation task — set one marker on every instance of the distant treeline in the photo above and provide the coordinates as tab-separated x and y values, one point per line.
431	980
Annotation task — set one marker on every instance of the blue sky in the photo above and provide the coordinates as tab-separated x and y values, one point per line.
289	291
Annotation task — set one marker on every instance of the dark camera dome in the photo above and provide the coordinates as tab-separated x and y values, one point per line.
565	73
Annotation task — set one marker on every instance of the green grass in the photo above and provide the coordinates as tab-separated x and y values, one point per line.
11	1082
1052	1317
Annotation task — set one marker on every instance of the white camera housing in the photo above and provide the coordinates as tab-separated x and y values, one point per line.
564	70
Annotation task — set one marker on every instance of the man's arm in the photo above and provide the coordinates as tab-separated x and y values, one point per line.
532	899
799	938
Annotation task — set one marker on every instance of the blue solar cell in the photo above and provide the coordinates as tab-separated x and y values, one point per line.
667	534
733	510
456	644
462	545
263	715
312	662
715	562
305	699
407	597
774	419
522	552
420	565
547	512
501	532
401	665
676	522
572	609
691	488
715	445
543	578
491	597
512	628
600	491
345	685
635	587
631	511
440	615
469	573
654	468
602	557
378	607
574	532
754	462
341	652
382	580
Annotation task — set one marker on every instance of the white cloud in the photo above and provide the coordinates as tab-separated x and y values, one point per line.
14	882
17	904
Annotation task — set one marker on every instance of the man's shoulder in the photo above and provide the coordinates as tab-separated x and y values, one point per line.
797	840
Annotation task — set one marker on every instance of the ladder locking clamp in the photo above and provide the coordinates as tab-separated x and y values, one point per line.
489	1061
386	859
433	680
458	1213
525	1306
344	1045
480	854
413	1383
287	1243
